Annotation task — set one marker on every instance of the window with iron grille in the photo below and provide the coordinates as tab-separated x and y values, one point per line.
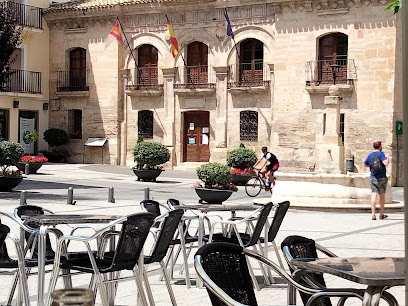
248	125
145	123
75	123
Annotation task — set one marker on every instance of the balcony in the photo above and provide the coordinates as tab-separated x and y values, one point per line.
26	15
248	77
147	82
23	81
73	81
194	79
320	75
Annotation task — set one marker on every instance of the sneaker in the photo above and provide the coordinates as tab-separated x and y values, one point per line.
268	182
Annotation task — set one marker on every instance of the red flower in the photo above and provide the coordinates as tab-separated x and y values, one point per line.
33	159
239	171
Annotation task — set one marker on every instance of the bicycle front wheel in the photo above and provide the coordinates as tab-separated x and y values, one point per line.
253	186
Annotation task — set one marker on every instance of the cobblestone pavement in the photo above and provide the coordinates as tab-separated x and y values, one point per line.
346	234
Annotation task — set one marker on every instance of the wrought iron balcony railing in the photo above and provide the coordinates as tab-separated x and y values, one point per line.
194	77
72	80
248	75
147	78
322	72
26	15
23	81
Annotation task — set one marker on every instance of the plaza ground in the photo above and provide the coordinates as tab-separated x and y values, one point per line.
345	233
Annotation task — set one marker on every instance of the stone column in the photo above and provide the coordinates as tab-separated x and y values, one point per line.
122	145
331	150
220	129
169	110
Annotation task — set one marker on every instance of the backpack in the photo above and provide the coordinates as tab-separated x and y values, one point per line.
376	164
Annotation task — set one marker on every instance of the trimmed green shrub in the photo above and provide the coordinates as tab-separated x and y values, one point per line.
56	137
148	155
241	158
214	175
10	155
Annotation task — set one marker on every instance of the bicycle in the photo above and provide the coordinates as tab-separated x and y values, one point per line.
256	183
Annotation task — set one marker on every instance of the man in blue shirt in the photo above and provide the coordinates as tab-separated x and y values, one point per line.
378	182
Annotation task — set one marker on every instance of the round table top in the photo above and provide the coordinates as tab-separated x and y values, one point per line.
220	207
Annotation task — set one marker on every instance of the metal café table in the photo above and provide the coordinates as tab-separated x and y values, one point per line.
206	208
377	273
46	221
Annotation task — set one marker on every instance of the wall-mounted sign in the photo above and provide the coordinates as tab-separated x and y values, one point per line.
191	126
194	103
206	130
191	141
204	139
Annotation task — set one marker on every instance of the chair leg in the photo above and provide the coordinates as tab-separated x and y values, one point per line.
140	286
102	289
53	283
278	255
169	289
183	247
291	295
13	288
148	288
251	272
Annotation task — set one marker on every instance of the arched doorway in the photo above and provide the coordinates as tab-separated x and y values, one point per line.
332	59
196	136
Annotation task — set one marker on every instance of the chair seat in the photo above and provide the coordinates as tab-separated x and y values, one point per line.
29	263
187	239
219	237
84	264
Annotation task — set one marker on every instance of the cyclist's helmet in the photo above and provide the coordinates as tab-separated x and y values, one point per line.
264	149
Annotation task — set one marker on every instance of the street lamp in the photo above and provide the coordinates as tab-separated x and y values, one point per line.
334	68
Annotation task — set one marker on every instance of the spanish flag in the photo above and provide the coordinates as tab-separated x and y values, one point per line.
114	35
173	41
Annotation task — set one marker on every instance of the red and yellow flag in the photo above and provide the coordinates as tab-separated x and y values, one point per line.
114	35
173	41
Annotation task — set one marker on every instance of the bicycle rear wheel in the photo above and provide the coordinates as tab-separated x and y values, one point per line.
253	186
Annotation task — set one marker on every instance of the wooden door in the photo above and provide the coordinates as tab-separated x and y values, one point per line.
197	63
77	69
251	66
196	136
147	65
333	50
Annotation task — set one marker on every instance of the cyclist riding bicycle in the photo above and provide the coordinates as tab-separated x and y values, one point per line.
270	165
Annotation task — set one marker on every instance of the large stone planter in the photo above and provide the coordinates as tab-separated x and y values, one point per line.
33	167
7	183
241	179
213	196
147	174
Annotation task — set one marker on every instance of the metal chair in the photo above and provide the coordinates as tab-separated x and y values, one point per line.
223	267
245	240
169	225
297	247
132	236
19	265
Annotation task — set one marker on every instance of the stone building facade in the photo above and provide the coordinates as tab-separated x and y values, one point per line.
267	86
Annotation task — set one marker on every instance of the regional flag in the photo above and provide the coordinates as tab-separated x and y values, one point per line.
229	28
114	35
173	41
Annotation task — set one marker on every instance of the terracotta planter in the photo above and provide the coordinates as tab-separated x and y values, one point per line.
213	196
33	167
241	179
147	174
7	183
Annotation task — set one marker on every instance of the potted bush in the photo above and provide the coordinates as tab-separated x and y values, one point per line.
241	161
217	183
149	158
10	154
55	139
34	162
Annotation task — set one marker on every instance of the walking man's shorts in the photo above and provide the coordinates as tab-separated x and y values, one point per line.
378	185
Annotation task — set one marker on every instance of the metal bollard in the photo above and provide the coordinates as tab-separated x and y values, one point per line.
27	169
23	197
147	193
70	199
73	296
111	196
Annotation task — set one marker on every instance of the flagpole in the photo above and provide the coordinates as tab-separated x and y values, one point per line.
233	38
181	54
127	42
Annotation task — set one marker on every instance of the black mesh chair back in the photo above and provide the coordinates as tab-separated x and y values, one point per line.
301	247
130	244
173	203
4	256
280	213
32	210
263	216
226	265
168	229
151	206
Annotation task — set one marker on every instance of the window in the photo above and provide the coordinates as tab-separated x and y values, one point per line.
197	63
145	123
147	65
249	126
333	51
251	61
341	130
75	123
77	69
